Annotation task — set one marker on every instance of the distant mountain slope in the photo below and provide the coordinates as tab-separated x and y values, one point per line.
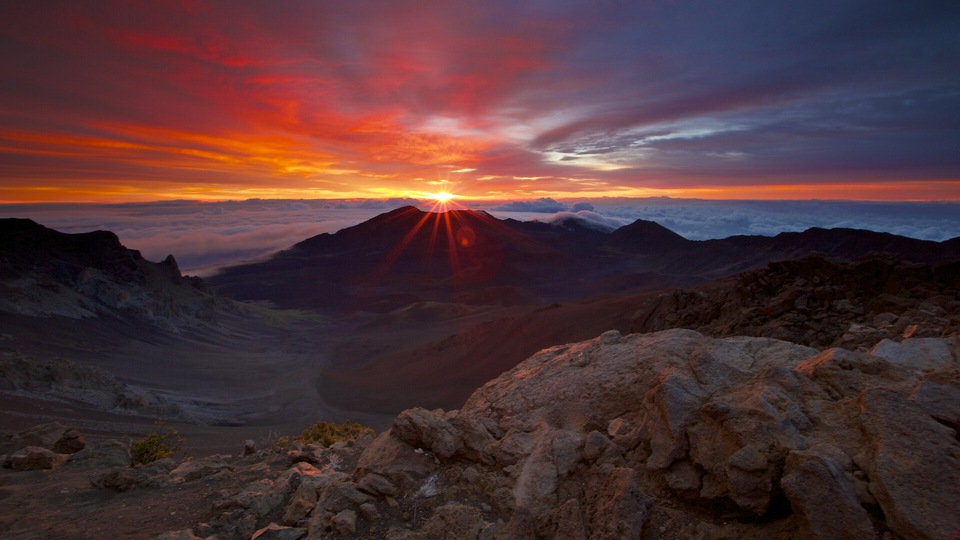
46	272
90	329
407	256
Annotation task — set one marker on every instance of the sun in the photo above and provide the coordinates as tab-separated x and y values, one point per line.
441	201
441	197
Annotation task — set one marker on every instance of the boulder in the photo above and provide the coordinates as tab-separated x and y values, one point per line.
913	463
672	434
155	474
345	522
404	465
820	490
32	458
198	468
429	430
52	436
925	354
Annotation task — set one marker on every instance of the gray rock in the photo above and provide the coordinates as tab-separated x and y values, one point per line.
926	354
428	430
940	400
913	466
345	522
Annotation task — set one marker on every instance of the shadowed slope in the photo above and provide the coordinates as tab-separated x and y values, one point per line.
407	256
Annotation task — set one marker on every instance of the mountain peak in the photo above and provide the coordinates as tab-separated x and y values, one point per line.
644	236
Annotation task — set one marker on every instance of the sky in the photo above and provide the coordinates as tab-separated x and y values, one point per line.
115	101
205	236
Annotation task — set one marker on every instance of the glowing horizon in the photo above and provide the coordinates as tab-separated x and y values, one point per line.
119	102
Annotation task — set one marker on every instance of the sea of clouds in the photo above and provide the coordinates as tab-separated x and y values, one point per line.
204	236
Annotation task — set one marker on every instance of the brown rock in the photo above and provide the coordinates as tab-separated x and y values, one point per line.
377	485
198	468
622	509
33	458
453	521
52	436
397	461
428	430
568	522
297	510
279	532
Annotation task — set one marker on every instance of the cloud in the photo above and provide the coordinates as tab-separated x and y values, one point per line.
577	207
207	235
375	204
590	219
328	100
202	235
702	219
544	205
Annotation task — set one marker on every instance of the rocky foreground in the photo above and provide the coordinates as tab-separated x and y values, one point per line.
663	435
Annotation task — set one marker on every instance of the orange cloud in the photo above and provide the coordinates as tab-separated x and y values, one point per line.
227	99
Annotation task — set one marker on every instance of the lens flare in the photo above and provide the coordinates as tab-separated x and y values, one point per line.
441	197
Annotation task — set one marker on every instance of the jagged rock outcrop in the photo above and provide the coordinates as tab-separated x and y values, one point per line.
665	435
671	434
46	273
818	301
737	437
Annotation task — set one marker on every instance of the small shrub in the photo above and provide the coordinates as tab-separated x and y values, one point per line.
281	442
154	447
327	433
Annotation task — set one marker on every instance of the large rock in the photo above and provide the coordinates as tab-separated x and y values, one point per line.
32	458
774	429
925	354
820	490
52	436
198	468
913	463
665	435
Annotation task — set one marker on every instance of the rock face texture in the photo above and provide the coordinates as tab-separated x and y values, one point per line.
736	437
664	435
818	301
44	273
675	432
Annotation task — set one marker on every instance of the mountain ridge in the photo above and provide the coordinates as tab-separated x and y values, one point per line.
408	255
92	273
